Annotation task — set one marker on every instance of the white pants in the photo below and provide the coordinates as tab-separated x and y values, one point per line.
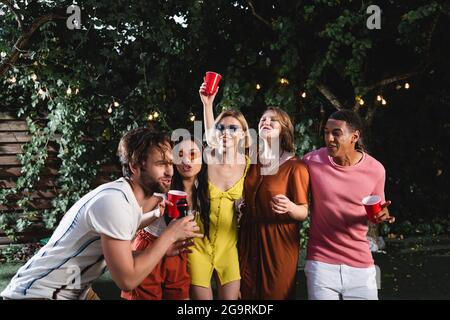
338	281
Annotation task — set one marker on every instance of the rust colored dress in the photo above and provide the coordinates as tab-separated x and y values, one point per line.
269	242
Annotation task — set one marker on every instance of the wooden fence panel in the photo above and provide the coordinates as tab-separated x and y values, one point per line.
13	135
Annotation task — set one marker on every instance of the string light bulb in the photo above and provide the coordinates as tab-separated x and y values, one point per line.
191	117
155	114
383	102
116	104
303	95
258	86
407	86
110	110
361	102
379	98
284	81
150	117
69	91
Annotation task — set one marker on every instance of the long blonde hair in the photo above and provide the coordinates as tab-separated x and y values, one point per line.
239	117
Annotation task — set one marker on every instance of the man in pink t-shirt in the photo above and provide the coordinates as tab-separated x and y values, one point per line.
339	262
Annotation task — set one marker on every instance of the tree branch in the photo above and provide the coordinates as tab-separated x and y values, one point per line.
250	4
15	12
356	106
323	89
22	42
390	80
397	78
405	76
371	109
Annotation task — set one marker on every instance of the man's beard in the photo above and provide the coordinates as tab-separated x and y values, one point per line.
150	185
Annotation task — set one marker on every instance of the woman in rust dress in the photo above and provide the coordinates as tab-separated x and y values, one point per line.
275	201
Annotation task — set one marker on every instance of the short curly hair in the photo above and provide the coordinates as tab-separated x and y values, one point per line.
354	122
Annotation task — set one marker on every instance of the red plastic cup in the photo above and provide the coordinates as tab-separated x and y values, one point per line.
212	81
372	204
173	196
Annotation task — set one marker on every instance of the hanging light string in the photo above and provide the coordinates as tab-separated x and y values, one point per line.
154	115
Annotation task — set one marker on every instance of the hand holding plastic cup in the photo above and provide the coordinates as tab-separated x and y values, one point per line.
182	207
372	204
174	196
212	81
193	212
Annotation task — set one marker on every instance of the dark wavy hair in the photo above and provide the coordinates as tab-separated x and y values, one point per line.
200	194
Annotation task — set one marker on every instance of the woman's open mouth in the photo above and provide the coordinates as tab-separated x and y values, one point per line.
186	167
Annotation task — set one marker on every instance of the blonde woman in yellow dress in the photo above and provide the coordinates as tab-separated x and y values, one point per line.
216	254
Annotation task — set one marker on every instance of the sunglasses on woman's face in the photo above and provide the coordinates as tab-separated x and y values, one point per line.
191	156
232	128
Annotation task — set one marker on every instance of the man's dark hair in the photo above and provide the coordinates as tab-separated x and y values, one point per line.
135	146
354	122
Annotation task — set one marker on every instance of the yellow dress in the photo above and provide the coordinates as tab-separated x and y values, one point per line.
218	253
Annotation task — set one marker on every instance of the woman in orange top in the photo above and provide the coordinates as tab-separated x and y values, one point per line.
275	195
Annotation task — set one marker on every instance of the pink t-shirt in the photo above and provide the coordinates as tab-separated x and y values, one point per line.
338	219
